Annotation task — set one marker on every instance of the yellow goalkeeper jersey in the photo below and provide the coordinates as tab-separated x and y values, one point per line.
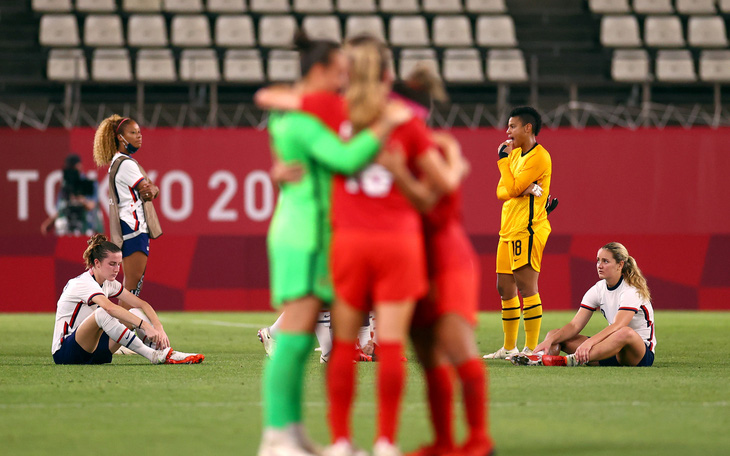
523	215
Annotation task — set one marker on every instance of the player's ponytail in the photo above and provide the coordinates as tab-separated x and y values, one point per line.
367	92
98	249
106	143
630	271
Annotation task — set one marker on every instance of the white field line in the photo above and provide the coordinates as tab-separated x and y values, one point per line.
410	404
230	324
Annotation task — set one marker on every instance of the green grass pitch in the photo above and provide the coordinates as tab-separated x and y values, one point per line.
681	406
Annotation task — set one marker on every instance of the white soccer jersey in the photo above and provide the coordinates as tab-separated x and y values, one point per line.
130	203
623	297
75	305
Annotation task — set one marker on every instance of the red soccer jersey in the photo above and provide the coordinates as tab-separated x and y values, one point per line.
330	108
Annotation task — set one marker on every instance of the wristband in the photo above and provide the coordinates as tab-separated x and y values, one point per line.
502	154
140	323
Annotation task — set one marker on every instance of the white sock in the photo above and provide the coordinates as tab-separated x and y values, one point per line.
273	329
120	334
322	331
373	328
363	335
140	332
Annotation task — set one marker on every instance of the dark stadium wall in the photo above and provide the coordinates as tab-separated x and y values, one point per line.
661	193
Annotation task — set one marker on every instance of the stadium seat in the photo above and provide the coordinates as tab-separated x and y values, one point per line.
707	31
199	65
442	6
356	6
243	65
462	65
103	30
452	31
609	6
111	65
630	65
155	65
620	31
59	30
226	6
51	6
142	6
277	31
496	31
506	65
184	6
409	58
67	65
96	6
715	66
675	66
653	7
190	30
283	66
399	6
408	31
313	6
695	6
234	31
323	27
486	6
146	30
724	6
269	6
663	32
371	25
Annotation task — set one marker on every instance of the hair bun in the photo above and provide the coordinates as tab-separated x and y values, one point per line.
301	40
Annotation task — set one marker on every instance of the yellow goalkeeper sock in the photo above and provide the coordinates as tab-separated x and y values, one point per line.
532	314
510	321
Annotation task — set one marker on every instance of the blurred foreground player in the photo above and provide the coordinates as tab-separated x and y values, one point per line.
623	298
89	327
525	171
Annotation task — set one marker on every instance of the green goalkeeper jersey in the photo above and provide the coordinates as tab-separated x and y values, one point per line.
299	233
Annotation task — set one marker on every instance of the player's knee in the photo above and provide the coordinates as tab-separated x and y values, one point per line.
624	335
101	316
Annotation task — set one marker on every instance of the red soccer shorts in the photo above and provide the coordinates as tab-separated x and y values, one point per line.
370	267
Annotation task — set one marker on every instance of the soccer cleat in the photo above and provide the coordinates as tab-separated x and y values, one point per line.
523	359
479	447
550	204
384	448
268	341
176	357
526	351
304	441
550	360
502	353
363	358
343	448
323	359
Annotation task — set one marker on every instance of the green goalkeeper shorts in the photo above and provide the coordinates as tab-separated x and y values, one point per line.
296	273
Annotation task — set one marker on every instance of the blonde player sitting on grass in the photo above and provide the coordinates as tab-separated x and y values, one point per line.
623	298
89	327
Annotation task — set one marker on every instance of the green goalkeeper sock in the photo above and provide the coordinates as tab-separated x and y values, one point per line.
284	378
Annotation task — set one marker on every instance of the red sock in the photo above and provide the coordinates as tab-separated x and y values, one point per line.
341	388
391	379
440	402
474	380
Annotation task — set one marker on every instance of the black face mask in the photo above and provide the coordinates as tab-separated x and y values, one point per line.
130	148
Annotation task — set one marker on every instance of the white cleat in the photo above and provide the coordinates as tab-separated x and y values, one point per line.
304	441
502	354
268	341
526	351
384	448
324	358
282	442
343	448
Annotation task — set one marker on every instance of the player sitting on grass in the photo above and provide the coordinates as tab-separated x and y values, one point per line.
89	327
623	298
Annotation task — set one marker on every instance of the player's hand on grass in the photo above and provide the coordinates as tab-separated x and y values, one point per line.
286	172
504	149
533	189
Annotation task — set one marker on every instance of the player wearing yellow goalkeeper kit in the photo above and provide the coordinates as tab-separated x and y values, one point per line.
524	186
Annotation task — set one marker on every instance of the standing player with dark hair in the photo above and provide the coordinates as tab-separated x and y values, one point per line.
89	327
525	168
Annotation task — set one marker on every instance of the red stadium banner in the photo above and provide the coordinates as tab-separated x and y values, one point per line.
656	191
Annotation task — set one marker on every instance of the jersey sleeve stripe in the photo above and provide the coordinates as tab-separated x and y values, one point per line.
629	308
118	293
88	301
137	183
592	309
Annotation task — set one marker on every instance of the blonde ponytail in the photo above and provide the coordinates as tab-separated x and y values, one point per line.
105	140
98	249
630	271
367	93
